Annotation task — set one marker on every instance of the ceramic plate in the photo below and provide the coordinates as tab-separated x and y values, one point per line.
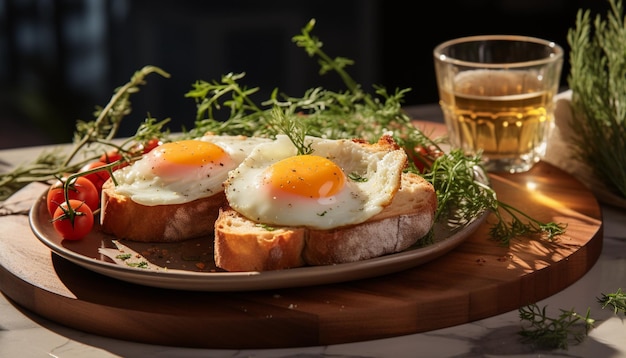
189	265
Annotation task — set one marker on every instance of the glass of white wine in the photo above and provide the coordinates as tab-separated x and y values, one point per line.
497	96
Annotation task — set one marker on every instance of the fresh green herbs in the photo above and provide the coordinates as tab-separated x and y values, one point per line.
616	300
460	183
551	333
598	67
357	177
295	130
141	264
266	227
505	232
462	189
558	332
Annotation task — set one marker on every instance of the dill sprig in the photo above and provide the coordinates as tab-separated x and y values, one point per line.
598	68
553	332
516	227
294	130
617	300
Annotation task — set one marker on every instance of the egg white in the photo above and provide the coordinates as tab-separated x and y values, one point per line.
140	183
359	200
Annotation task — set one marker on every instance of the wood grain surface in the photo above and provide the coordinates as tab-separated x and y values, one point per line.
478	279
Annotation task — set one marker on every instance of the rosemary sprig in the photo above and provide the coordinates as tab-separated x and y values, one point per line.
549	332
598	68
617	300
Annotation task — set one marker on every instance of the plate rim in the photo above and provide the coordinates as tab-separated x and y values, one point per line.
259	280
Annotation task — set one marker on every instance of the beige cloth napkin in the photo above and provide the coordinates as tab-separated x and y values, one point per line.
559	153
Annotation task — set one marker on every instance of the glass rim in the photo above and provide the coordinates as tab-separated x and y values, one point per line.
555	54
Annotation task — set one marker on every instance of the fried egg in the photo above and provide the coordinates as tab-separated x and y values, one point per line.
342	182
183	171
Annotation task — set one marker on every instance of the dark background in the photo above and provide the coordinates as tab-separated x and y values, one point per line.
59	59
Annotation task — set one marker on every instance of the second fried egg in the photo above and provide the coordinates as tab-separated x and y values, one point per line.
342	182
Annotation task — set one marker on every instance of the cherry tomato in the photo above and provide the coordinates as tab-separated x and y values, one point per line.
110	156
97	178
81	189
151	144
420	159
113	156
423	157
73	225
145	147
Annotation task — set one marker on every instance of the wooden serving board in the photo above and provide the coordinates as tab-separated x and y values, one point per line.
478	279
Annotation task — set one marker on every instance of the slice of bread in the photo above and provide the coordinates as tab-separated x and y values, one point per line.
244	245
126	219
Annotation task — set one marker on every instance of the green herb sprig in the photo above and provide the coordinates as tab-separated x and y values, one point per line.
295	130
551	333
616	300
558	332
598	69
516	227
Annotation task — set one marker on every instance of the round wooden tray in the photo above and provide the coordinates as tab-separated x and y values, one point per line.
478	279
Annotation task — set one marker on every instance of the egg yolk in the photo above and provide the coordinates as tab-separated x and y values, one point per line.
170	158
308	176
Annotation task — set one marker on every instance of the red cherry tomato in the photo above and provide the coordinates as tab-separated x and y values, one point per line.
113	156
73	225
97	178
81	189
110	156
423	157
150	145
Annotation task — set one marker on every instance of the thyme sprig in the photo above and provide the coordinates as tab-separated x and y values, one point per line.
598	68
550	332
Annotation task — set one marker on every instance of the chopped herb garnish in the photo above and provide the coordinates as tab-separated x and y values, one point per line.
266	227
141	264
123	256
357	177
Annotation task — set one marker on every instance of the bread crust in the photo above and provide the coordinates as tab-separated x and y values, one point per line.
126	219
243	245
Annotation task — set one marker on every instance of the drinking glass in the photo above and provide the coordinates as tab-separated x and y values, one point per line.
497	96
